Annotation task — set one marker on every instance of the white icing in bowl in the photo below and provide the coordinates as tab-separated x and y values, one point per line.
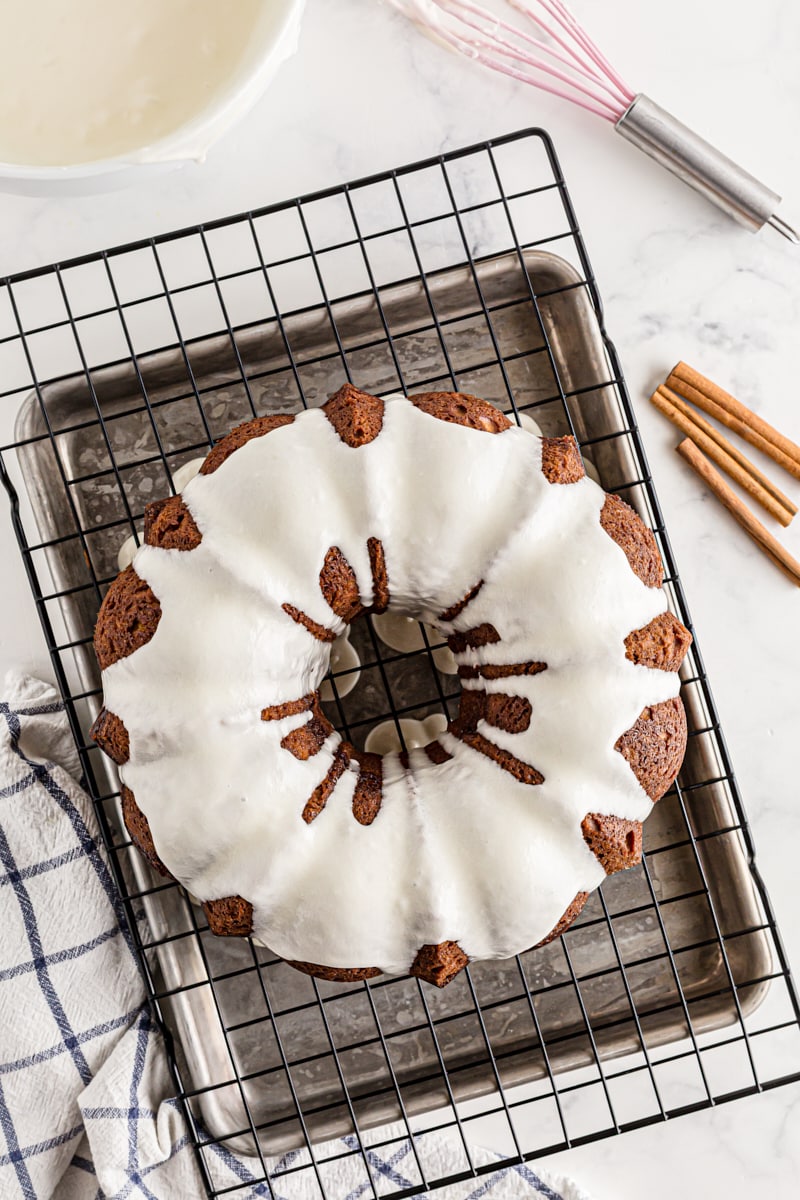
168	77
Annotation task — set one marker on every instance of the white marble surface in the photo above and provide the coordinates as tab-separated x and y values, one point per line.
679	281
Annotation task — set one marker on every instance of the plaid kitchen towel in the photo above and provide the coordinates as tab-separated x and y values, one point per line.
86	1111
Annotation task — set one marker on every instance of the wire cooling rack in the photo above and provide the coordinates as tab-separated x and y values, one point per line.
672	992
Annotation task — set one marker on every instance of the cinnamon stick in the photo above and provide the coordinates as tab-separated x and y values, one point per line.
739	510
732	413
724	454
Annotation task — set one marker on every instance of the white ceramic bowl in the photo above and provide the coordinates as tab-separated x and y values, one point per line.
274	40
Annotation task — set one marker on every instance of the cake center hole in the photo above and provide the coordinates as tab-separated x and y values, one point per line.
392	685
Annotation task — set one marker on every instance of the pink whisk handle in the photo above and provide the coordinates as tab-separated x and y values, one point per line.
702	166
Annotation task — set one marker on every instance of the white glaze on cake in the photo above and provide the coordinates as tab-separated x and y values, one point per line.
459	851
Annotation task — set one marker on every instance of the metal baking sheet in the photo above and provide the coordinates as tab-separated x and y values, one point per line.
233	1040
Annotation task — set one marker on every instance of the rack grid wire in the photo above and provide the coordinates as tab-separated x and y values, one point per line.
467	272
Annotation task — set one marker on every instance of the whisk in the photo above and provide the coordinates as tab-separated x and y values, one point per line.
552	52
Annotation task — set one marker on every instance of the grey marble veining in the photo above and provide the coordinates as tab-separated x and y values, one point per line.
679	281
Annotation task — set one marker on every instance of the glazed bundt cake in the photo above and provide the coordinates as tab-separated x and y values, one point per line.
485	842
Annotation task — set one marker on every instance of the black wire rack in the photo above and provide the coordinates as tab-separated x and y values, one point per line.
466	271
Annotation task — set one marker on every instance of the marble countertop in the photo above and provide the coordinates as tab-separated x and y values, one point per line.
366	92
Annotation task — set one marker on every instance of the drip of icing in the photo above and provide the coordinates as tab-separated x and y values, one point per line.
460	850
182	475
127	550
344	658
180	478
529	425
384	738
591	470
405	634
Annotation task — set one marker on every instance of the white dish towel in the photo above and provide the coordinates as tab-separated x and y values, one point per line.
86	1106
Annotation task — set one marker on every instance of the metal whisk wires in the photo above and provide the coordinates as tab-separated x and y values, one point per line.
559	57
551	51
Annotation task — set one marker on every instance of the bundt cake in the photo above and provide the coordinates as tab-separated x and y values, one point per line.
483	843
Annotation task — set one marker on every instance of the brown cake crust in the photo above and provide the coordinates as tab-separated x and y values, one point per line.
356	416
473	639
110	734
335	974
290	708
307	740
138	827
561	460
471	707
380	575
460	408
321	794
633	537
368	794
230	916
151	511
654	746
436	752
474	707
439	964
238	437
615	843
314	628
522	771
511	713
500	670
128	618
455	610
662	644
169	524
572	913
339	586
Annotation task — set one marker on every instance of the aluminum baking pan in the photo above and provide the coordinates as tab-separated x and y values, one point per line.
234	1037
